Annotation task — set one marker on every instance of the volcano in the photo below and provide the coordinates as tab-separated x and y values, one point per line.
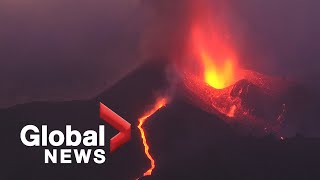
186	138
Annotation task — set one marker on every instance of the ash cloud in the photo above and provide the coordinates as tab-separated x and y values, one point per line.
166	28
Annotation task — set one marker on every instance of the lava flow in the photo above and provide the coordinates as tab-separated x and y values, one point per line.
213	79
158	105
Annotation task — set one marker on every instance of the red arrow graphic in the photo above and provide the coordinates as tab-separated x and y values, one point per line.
118	123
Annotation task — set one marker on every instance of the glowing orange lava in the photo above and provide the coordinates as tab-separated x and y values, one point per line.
158	105
211	46
219	64
232	111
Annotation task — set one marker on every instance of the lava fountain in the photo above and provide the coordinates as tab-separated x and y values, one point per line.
213	79
210	46
212	66
160	103
218	63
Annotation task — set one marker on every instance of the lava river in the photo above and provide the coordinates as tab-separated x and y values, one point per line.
160	103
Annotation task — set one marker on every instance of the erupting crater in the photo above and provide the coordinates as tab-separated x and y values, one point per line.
210	77
213	79
217	62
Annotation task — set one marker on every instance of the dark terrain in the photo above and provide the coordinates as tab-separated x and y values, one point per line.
185	141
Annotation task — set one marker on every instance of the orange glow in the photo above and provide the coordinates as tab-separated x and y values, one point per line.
219	64
232	111
158	105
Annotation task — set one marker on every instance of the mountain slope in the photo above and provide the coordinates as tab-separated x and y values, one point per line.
185	141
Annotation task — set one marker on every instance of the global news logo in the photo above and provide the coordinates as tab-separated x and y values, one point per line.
31	135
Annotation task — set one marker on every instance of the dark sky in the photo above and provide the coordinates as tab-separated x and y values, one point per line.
65	49
74	49
281	37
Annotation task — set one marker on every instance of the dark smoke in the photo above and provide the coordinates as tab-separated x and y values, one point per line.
166	28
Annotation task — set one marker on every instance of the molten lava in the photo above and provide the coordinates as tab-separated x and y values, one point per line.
218	62
213	79
158	105
253	103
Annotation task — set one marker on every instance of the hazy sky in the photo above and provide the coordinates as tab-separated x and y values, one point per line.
73	49
65	49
